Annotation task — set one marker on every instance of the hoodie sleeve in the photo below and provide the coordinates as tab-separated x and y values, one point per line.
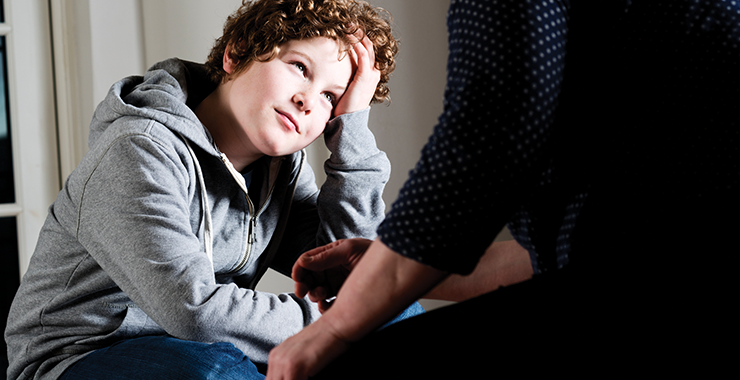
134	219
350	202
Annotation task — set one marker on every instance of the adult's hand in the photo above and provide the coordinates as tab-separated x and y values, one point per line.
321	271
303	355
381	285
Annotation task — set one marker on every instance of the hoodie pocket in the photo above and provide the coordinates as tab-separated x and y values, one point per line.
135	323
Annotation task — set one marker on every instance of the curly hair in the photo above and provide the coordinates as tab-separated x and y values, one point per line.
258	28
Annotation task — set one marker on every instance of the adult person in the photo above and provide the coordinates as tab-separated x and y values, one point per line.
604	133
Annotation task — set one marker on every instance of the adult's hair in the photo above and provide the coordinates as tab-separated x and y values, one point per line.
258	28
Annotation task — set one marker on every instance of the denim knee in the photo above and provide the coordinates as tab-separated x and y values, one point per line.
220	360
163	357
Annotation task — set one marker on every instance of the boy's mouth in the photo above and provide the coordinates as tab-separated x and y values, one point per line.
288	120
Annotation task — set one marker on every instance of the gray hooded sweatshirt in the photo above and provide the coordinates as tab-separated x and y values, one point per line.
133	246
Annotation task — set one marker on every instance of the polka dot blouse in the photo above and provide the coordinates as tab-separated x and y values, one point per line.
560	114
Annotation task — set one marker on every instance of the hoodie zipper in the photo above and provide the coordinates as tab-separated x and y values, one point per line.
252	230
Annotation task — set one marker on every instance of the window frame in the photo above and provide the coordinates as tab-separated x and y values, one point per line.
33	128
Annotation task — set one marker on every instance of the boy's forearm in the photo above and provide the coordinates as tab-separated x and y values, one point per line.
350	201
349	138
504	263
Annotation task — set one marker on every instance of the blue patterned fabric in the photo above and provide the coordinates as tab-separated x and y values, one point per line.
578	124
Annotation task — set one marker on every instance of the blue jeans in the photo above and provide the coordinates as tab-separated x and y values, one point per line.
414	309
165	357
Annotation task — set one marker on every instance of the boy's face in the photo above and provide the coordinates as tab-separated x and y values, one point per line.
283	105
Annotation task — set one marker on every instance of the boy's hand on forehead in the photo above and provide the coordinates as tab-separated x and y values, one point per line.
365	80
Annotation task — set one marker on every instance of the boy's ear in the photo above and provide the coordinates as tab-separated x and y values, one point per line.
229	64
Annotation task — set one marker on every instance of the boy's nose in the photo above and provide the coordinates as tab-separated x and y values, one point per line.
303	101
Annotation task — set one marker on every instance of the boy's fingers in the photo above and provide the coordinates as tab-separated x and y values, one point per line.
368	44
306	280
301	289
365	78
308	270
318	294
366	70
365	53
324	305
353	57
334	255
307	276
310	261
358	35
299	274
312	271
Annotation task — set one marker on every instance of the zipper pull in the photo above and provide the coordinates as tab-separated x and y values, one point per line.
252	227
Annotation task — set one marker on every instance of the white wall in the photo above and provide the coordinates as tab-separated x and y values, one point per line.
126	36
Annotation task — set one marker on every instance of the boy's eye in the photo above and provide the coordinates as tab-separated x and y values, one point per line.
300	66
330	97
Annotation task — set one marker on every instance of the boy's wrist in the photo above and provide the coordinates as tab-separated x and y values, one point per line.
350	113
350	120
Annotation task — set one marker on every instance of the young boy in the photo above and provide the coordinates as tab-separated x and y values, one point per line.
194	185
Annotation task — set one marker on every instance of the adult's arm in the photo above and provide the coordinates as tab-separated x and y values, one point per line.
321	272
504	263
381	286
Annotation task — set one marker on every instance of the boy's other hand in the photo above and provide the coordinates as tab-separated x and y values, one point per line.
321	271
365	80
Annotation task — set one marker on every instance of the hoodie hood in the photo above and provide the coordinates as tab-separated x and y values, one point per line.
167	93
